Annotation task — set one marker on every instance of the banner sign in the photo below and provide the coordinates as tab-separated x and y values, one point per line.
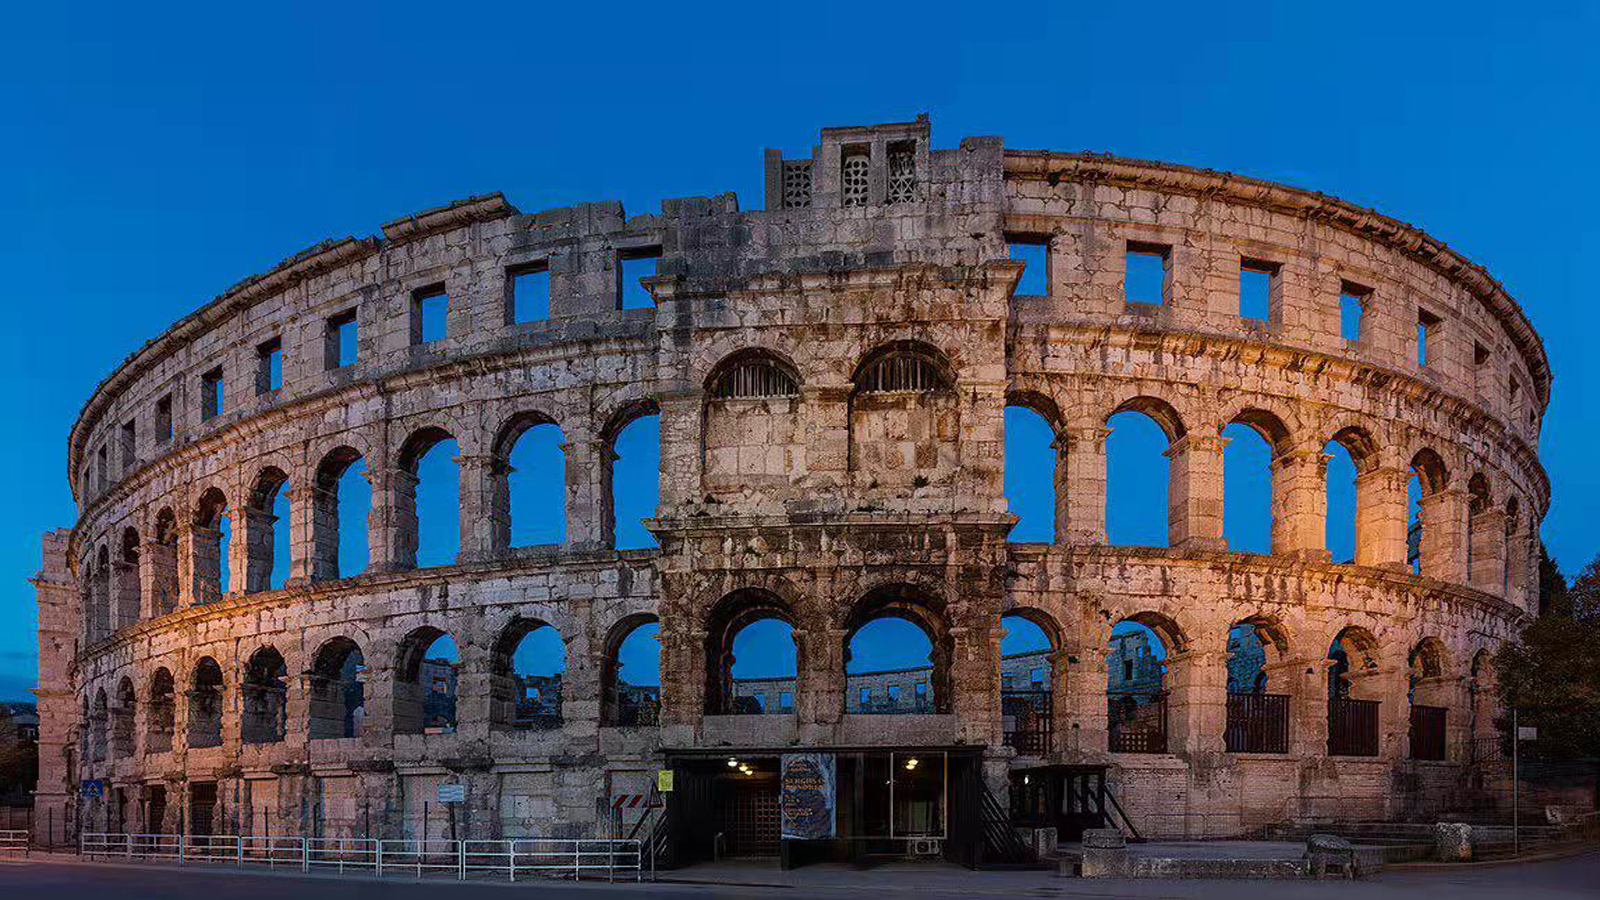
807	803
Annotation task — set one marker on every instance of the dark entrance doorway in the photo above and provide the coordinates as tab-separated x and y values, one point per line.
202	807
724	807
155	815
1070	798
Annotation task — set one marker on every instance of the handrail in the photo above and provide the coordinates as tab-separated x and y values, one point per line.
510	857
1133	833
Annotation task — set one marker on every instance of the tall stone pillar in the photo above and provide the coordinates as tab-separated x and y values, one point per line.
392	524
1443	515
55	795
482	532
256	543
819	691
975	668
591	521
307	505
1194	501
1197	699
1081	722
205	564
1381	518
1300	504
1486	535
1081	485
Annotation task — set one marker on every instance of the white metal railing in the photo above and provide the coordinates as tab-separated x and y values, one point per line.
463	859
14	843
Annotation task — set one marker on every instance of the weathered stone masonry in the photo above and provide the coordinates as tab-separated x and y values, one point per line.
855	470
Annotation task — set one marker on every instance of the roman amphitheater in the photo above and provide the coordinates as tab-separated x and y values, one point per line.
831	377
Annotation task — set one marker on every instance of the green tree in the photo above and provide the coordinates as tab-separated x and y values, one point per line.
1551	673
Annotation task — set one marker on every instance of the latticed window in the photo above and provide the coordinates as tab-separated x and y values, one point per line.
752	380
854	179
797	184
902	175
902	372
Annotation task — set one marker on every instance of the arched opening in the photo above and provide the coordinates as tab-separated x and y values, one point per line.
1260	688
1255	483
528	666
267	542
904	417
160	713
1351	455
99	717
630	682
751	656
341	505
753	433
1030	475
130	591
164	563
1136	688
1426	549
897	654
265	691
1027	688
1516	555
1353	694
1485	555
425	683
338	692
430	513
1430	699
1143	431
205	704
123	719
633	479
529	484
1484	734
212	537
101	622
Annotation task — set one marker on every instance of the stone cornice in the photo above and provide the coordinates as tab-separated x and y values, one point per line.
1412	242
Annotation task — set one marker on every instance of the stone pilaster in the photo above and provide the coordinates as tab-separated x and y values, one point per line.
1300	504
1443	515
392	524
1081	485
1194	500
1381	518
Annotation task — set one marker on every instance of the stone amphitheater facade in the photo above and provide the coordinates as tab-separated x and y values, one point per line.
831	374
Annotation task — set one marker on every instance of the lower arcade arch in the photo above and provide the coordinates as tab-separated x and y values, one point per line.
205	704
630	676
1137	697
264	691
527	670
752	655
336	686
897	653
425	681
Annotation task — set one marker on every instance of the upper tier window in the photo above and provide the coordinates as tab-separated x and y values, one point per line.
753	380
902	372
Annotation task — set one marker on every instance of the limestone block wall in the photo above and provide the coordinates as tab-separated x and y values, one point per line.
831	374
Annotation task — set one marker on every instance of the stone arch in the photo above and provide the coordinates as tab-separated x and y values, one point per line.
1139	698
753	373
337	690
163	562
1161	412
205	704
124	716
904	417
518	702
921	607
130	583
99	723
264	690
411	696
1430	468
1433	538
208	553
1243	510
1514	573
903	365
327	520
1431	696
623	703
404	490
727	617
500	471
160	711
261	548
102	620
617	422
1035	467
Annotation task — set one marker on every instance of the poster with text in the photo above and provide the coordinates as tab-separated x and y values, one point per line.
808	797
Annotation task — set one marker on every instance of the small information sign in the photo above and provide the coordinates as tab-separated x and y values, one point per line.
452	793
664	781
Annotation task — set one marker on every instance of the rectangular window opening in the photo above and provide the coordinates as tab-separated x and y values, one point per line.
129	449
1353	300
164	419
866	696
786	700
1034	252
211	394
1258	290
632	265
269	366
1429	327
339	341
430	311
528	293
1148	278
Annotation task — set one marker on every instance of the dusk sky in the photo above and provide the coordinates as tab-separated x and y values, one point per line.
155	157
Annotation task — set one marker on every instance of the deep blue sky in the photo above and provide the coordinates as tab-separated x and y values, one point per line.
155	157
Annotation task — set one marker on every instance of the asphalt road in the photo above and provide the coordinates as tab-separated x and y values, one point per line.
1576	877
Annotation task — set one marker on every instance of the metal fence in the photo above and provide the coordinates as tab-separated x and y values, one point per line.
13	843
462	860
1352	727
1136	721
1257	723
1029	723
1428	732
